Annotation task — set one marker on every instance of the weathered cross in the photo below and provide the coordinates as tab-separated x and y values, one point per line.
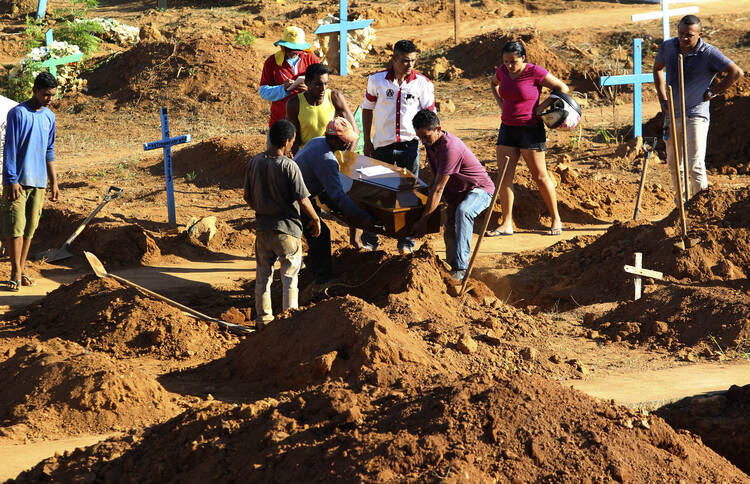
166	144
637	79
53	62
638	271
665	13
41	9
343	27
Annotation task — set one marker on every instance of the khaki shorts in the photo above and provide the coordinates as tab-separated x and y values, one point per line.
21	216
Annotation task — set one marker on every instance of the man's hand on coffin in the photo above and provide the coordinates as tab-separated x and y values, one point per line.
368	149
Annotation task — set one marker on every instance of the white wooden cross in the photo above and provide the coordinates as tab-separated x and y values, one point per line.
638	271
665	13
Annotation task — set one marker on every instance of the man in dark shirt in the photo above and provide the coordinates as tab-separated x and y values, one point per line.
461	180
275	190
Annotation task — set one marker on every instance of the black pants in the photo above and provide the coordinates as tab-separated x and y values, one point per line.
318	259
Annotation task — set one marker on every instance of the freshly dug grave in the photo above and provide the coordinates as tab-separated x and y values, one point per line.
342	337
217	161
518	429
707	319
105	315
586	273
59	387
722	421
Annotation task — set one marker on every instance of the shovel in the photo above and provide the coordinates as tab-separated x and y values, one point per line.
647	149
52	255
100	271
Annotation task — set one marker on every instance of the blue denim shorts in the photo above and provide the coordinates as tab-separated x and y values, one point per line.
523	137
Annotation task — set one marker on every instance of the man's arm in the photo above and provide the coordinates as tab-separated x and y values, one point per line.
314	225
369	149
433	200
661	85
52	176
731	75
292	115
342	109
10	156
327	171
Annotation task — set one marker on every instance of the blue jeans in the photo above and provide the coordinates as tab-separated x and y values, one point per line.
460	225
405	155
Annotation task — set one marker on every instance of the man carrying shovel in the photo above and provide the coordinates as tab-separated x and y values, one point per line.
28	162
702	62
461	180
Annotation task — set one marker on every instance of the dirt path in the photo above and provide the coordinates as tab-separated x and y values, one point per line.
651	389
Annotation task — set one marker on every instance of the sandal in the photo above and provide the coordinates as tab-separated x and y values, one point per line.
555	231
13	286
497	232
27	281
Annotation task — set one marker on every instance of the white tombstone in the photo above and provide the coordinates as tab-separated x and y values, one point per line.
5	106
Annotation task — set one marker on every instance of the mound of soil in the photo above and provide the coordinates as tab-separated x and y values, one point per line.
722	421
519	429
480	55
105	315
204	72
60	387
343	337
716	216
675	317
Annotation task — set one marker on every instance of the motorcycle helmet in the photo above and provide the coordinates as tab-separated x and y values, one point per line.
563	112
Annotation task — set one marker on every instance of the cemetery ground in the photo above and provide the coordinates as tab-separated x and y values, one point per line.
388	379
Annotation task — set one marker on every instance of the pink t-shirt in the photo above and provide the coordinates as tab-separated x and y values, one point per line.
450	156
520	95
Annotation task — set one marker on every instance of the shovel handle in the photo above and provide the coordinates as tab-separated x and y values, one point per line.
112	193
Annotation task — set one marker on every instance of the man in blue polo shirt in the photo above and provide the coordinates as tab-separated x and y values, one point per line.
28	162
702	62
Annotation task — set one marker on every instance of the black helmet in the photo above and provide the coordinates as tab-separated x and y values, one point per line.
564	111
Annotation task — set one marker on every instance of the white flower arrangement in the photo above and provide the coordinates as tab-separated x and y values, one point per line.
359	43
115	31
22	75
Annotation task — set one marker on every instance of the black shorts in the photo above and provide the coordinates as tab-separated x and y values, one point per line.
523	137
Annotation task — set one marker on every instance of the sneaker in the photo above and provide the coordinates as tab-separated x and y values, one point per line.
458	276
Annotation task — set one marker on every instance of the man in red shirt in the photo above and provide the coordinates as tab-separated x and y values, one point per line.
284	72
459	179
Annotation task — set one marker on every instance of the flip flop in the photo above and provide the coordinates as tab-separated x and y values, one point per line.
555	231
497	233
27	281
13	286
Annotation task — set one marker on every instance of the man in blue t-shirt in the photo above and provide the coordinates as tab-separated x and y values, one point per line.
702	62
29	156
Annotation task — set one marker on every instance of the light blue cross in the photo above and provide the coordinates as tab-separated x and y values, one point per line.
637	79
52	63
342	28
41	9
166	143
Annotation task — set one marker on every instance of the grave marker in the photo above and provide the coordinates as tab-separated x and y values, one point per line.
637	79
41	9
53	63
343	27
664	15
638	271
166	144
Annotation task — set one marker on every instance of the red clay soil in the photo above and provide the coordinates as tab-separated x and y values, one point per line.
722	421
483	429
574	272
105	315
707	319
59	387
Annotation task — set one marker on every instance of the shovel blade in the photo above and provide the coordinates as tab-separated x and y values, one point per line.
53	255
96	264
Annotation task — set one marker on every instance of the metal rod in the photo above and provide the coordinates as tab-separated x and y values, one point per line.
500	178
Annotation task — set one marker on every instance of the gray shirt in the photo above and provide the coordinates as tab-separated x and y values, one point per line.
701	66
275	186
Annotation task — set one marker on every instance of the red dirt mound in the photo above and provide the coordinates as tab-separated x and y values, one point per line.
192	74
59	387
218	161
519	429
480	55
337	338
706	319
716	216
104	315
722	421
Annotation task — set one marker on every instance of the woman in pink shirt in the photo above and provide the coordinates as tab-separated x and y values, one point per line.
517	88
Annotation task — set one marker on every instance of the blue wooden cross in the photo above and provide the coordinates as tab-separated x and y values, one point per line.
342	28
166	143
52	63
41	9
637	79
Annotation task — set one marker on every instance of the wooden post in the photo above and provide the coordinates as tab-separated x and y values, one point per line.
683	118
673	134
456	20
637	282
